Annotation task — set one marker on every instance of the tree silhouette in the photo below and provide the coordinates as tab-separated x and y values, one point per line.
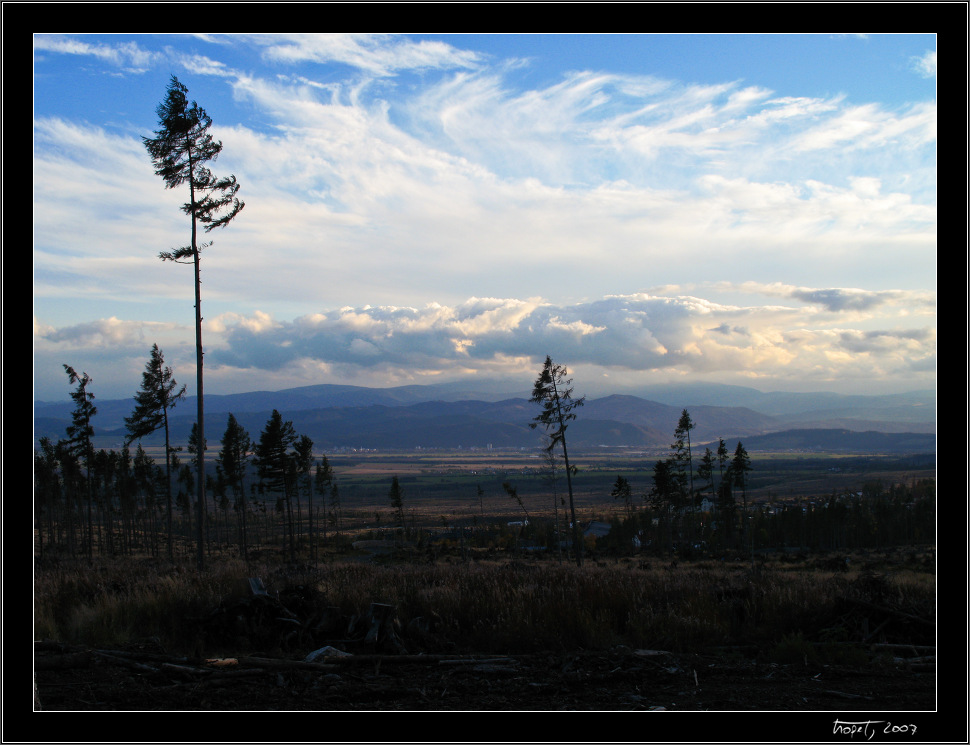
303	457
152	402
552	392
722	456
396	495
79	434
233	459
274	465
197	453
622	490
47	489
683	464
514	494
551	475
179	151
740	465
663	495
705	470
323	481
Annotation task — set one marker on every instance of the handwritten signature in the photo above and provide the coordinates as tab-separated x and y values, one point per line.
870	727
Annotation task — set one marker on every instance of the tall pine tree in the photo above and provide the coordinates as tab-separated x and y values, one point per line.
179	151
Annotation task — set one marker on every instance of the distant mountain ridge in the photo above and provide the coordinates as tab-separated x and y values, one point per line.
835	440
452	415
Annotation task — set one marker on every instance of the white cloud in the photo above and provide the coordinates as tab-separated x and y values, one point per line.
379	55
340	179
197	64
869	126
127	55
638	332
926	65
839	299
447	197
651	335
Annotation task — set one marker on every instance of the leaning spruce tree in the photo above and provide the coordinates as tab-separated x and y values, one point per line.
179	151
153	400
551	390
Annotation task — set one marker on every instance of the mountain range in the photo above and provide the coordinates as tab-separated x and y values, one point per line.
455	415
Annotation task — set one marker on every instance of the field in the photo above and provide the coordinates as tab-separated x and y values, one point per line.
443	475
472	621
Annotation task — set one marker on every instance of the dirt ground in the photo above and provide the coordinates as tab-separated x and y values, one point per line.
620	680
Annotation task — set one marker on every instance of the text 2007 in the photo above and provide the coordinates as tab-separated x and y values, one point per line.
869	728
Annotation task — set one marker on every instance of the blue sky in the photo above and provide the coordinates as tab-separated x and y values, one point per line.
747	209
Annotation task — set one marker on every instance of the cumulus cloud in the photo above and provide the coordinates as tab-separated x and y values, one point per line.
112	351
107	332
620	335
906	341
635	332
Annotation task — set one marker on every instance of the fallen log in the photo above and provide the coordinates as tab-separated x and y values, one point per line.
194	672
842	694
124	662
478	661
268	663
915	660
914	648
333	663
149	656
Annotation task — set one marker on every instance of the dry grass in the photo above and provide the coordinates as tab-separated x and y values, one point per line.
493	606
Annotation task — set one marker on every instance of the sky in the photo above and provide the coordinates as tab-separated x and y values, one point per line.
754	210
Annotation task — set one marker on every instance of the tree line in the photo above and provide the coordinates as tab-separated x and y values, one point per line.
122	502
877	516
114	500
274	491
674	494
671	517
